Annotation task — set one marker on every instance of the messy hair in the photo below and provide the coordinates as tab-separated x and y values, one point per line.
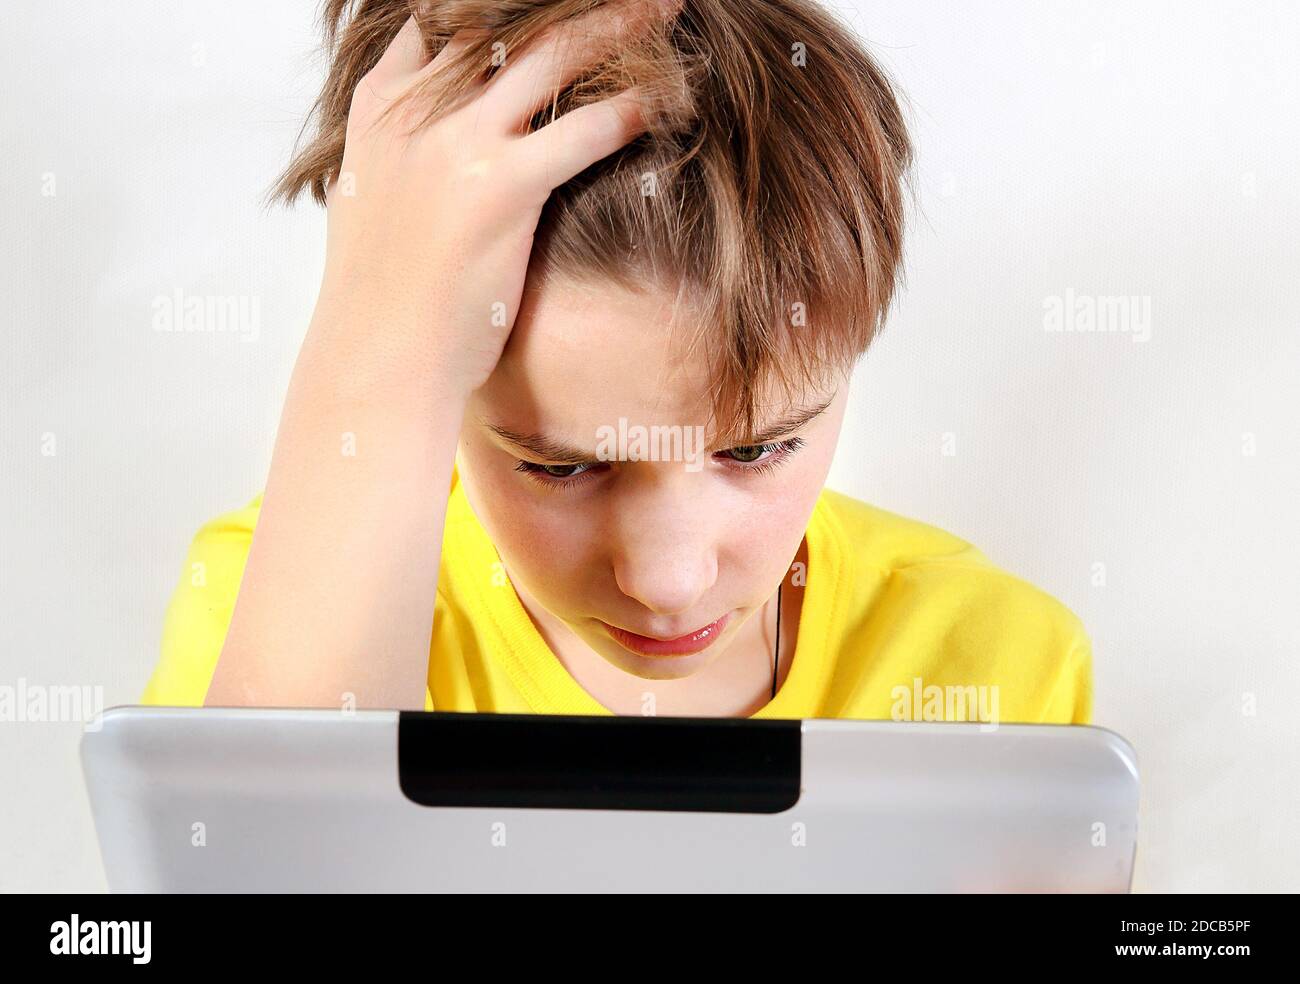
767	190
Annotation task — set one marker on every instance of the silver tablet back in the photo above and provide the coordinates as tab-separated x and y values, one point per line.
228	800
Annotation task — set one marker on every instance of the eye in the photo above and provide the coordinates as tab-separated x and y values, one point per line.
747	452
751	457
748	458
558	471
556	475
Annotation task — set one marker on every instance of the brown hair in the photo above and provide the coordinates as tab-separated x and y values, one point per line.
771	175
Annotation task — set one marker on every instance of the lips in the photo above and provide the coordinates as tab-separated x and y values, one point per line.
692	642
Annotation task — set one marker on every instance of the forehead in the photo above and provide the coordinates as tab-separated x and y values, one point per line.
580	358
584	355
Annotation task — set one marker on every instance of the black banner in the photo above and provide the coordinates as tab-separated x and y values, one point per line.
137	934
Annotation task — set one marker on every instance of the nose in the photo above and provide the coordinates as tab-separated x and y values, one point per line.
664	552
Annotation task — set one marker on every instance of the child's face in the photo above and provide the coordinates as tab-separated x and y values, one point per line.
657	547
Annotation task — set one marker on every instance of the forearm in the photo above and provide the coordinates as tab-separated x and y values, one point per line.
428	248
337	595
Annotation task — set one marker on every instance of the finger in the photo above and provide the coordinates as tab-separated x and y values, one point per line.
580	137
404	56
459	41
561	53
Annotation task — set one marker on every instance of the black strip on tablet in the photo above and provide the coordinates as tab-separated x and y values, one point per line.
577	762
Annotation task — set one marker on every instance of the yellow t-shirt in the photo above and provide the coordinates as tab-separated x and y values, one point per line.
900	620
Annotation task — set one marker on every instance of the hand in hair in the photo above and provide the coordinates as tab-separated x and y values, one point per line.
430	230
437	218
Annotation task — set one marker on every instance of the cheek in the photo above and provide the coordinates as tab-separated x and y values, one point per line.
767	523
764	532
539	537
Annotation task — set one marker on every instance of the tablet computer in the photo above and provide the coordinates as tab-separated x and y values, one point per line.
270	800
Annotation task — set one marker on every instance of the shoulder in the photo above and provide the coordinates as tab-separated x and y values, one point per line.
910	553
219	547
946	606
201	604
894	540
236	525
217	553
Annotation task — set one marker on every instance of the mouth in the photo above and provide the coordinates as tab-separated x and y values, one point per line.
692	642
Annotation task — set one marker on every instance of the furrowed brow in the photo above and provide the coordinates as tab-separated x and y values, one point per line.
542	447
787	424
553	451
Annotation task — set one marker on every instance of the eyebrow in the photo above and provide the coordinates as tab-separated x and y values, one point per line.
552	450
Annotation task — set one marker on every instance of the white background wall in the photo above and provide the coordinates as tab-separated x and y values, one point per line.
1146	150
